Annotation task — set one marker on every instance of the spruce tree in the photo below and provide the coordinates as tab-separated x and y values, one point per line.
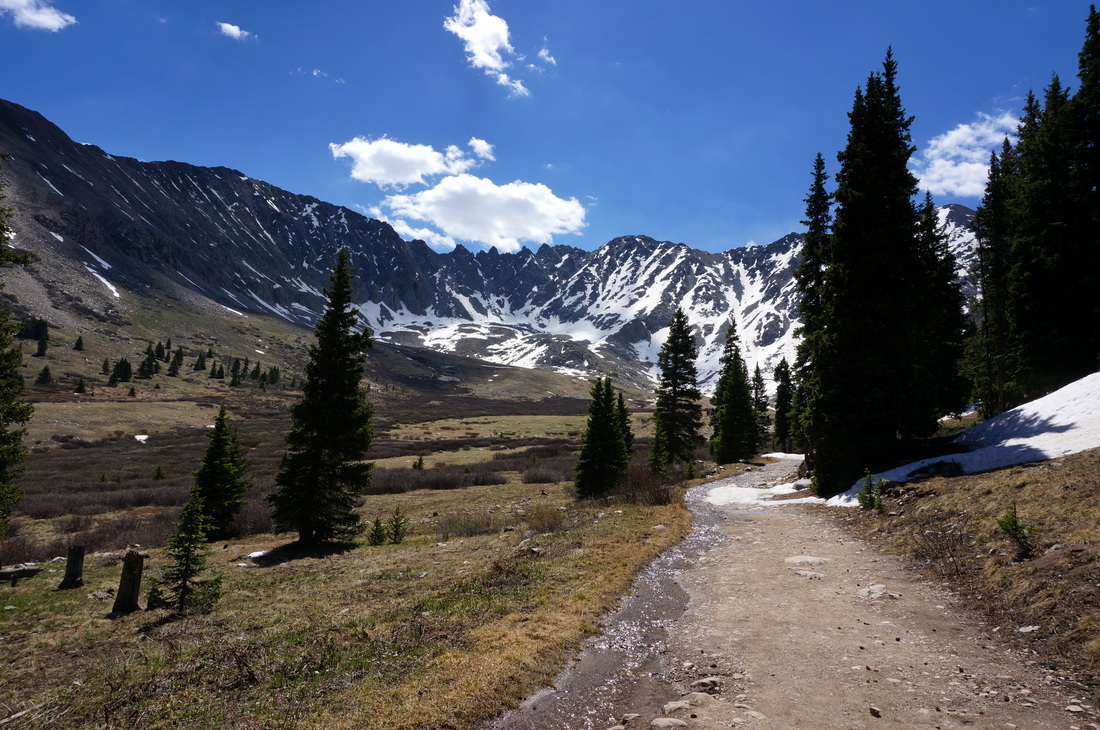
677	416
812	306
784	394
180	587
760	405
733	421
14	412
603	455
989	353
223	478
79	344
43	345
45	377
622	421
323	474
867	371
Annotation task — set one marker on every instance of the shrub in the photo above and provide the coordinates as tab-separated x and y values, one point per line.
1021	532
870	493
377	533
398	527
545	518
464	524
641	486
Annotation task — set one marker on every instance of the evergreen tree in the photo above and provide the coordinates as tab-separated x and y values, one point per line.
106	367
176	363
200	363
622	421
784	394
149	365
158	352
80	387
677	417
14	411
989	351
255	374
223	478
733	421
812	307
323	474
45	377
603	455
868	367
43	345
79	344
760	405
180	587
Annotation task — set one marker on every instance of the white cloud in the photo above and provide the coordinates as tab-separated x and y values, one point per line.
957	162
389	163
234	31
435	239
485	37
36	15
482	149
544	54
475	209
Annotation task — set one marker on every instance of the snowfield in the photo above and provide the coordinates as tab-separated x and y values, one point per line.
1065	422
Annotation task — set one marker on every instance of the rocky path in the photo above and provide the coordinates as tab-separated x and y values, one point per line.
792	623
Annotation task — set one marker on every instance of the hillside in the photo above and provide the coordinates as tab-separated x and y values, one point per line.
105	226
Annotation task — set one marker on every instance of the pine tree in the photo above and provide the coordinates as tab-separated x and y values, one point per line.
733	422
622	421
677	417
865	375
180	587
812	307
200	363
760	405
603	455
989	353
784	393
43	345
80	387
45	377
14	412
106	368
223	478
323	474
79	344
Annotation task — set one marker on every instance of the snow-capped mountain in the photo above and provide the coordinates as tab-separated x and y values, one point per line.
114	224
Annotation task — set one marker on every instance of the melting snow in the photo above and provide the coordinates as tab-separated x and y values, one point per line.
106	283
58	237
100	261
1065	422
51	185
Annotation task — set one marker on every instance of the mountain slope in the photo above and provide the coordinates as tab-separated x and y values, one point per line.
102	225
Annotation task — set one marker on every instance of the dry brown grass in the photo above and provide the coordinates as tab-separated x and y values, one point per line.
949	527
429	633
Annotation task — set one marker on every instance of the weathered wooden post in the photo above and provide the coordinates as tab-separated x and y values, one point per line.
129	586
74	569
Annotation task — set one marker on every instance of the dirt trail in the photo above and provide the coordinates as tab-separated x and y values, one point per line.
804	626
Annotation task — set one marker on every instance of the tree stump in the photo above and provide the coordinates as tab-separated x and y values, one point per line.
74	569
129	586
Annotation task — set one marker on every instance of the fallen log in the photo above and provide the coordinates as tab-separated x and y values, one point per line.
16	572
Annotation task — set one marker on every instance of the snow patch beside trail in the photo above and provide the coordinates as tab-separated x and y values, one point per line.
1065	422
726	492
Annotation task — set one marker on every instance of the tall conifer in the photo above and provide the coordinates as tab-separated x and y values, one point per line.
323	473
677	416
603	455
223	477
733	422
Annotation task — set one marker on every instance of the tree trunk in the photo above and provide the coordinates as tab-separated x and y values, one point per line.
129	586
74	569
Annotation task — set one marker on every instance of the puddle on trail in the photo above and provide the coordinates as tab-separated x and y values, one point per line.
620	670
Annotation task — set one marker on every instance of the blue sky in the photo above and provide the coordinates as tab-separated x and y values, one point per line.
518	122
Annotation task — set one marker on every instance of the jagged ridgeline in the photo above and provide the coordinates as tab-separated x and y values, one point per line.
103	224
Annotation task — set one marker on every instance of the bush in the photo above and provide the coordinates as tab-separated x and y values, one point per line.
870	493
638	485
545	518
464	524
1021	532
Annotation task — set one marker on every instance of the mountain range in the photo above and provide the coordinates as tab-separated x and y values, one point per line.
103	225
